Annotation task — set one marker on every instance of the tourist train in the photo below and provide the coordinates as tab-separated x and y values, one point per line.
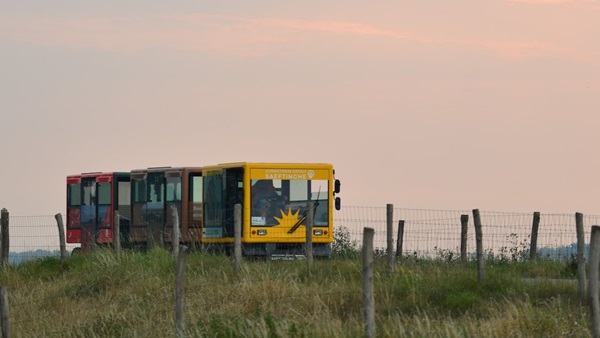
140	207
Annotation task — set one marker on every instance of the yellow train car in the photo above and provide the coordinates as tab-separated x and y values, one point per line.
274	199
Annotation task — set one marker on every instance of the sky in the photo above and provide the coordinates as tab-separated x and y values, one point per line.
457	105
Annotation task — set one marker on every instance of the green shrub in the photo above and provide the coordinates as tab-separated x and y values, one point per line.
343	245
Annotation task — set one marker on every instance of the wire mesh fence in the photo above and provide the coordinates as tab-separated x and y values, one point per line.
427	233
33	237
434	233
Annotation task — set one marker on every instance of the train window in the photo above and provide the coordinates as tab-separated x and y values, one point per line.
104	193
196	189
124	193
173	189
139	191
74	195
213	200
89	193
156	187
319	194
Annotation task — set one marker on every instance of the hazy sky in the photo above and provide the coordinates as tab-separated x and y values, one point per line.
424	104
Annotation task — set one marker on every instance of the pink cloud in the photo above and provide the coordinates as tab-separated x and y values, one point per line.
589	4
527	50
302	25
553	1
543	1
198	32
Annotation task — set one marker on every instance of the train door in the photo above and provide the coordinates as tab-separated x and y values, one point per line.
104	210
123	204
155	208
234	194
193	217
74	209
222	189
88	213
137	230
173	203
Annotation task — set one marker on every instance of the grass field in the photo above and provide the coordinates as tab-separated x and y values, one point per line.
132	295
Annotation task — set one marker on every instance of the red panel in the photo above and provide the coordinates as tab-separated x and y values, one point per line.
105	236
73	179
73	226
104	178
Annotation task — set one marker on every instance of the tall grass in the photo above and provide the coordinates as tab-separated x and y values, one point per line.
132	295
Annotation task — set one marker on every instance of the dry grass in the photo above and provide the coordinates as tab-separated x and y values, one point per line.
102	295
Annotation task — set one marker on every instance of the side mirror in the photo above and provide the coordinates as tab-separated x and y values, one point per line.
337	185
338	203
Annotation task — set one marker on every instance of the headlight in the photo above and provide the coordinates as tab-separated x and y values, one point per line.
318	232
262	232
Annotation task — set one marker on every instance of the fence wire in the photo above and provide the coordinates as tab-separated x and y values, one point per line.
431	233
427	232
33	237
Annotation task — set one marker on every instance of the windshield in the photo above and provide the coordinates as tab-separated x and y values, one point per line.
274	200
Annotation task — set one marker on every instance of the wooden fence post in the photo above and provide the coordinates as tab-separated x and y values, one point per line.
117	233
309	226
400	239
390	238
464	230
175	235
237	238
61	238
4	315
580	255
534	235
179	290
479	240
5	237
368	293
593	281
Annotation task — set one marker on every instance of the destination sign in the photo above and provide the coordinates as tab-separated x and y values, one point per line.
289	174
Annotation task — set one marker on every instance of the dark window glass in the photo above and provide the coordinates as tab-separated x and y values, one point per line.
88	202
74	192
156	188
139	191
267	202
89	193
173	189
104	196
155	205
125	204
274	200
233	194
319	195
213	199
